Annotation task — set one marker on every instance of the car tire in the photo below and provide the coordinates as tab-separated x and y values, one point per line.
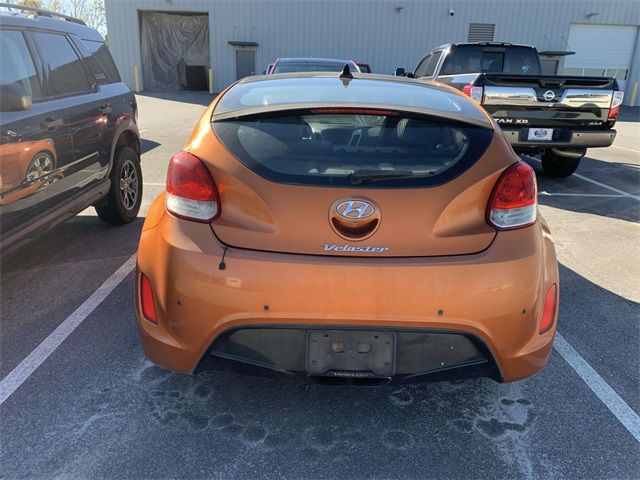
42	164
559	166
125	195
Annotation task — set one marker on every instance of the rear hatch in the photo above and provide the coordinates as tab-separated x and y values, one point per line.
354	180
557	101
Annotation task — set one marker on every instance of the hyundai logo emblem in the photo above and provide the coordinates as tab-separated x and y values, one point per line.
355	209
549	95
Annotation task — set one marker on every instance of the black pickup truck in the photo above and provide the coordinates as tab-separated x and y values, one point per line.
556	116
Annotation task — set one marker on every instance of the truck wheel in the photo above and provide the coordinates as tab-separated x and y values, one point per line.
125	195
559	166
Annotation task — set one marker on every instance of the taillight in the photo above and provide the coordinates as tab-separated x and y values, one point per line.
146	299
616	101
473	92
549	311
191	192
514	202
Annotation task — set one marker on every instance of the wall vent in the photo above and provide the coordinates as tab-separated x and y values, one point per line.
481	32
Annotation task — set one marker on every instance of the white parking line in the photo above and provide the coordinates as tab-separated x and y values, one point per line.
623	412
23	371
9	384
626	148
151	184
608	187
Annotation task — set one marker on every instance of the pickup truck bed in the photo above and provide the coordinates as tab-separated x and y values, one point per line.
556	116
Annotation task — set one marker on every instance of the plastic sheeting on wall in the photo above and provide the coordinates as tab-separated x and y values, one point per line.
169	43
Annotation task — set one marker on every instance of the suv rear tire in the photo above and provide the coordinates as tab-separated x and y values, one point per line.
125	195
559	166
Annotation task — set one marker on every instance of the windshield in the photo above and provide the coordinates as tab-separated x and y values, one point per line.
338	149
332	90
489	59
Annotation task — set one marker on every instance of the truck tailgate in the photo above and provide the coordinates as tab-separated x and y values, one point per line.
547	101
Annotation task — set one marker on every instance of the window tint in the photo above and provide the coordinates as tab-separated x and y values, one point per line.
67	75
478	58
317	148
104	58
16	64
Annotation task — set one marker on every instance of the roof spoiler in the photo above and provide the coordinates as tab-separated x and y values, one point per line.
41	12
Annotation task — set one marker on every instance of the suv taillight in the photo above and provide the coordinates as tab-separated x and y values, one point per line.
514	200
191	192
616	101
474	92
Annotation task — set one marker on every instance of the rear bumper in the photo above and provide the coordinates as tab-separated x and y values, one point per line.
417	353
486	306
568	139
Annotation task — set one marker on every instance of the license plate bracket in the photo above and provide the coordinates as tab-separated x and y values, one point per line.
350	353
540	134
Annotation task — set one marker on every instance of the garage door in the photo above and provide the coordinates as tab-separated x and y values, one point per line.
174	49
601	50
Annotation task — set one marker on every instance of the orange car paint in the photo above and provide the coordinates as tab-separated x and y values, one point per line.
15	159
447	271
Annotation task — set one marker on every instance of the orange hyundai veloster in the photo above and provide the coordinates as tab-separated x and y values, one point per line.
348	227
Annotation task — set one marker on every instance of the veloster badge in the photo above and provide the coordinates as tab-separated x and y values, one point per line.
353	248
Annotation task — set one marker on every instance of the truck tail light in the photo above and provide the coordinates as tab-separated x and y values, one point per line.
146	299
616	101
514	201
474	92
191	192
549	312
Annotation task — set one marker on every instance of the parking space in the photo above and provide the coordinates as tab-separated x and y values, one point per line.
95	407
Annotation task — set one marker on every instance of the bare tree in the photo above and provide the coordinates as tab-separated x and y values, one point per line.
30	3
91	11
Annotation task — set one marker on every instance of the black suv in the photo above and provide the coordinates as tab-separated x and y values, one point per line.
68	134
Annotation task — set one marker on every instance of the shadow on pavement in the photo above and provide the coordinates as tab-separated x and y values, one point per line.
602	326
197	98
572	193
46	280
147	145
629	114
82	238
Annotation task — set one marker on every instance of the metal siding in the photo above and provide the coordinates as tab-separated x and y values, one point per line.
368	31
615	44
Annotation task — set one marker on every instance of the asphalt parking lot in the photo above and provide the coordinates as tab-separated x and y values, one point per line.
96	408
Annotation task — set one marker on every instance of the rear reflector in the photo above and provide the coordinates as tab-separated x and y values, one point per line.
191	192
514	200
549	311
146	299
616	101
473	92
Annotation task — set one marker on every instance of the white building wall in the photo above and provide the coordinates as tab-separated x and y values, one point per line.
378	32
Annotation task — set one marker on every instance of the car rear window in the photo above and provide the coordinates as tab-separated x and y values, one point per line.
348	147
308	67
326	89
488	59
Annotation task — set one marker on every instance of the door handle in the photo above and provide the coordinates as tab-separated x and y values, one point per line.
107	108
51	123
